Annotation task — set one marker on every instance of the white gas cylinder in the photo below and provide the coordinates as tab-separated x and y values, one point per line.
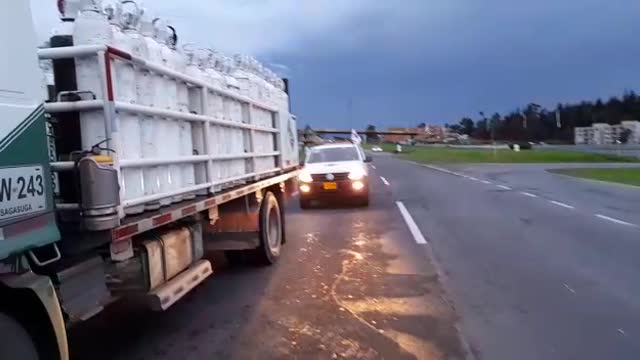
69	10
239	82
194	102
164	143
237	134
127	91
185	141
169	129
91	28
215	108
146	88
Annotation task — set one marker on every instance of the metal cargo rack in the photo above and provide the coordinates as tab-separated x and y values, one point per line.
106	101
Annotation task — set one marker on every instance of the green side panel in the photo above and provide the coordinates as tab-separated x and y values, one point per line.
29	240
27	145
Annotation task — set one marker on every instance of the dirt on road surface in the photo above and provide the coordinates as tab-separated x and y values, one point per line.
351	284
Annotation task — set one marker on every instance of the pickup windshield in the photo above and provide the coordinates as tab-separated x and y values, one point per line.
333	154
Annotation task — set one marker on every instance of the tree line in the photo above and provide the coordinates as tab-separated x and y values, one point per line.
535	123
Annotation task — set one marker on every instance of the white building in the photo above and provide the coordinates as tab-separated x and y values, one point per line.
602	134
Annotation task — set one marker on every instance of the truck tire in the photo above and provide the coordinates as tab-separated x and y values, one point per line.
271	231
16	342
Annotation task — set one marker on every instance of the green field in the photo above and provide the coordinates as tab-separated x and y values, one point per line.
629	176
451	155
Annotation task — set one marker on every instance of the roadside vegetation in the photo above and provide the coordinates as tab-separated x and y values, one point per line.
629	176
453	155
533	122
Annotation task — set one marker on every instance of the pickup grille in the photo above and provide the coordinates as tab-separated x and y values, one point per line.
337	177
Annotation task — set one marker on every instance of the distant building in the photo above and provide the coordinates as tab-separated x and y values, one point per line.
430	133
395	138
603	134
434	133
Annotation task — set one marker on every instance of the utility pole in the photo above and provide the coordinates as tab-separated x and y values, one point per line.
350	111
491	127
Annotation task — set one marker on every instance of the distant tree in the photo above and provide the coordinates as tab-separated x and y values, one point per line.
494	124
456	128
422	126
467	126
481	130
542	124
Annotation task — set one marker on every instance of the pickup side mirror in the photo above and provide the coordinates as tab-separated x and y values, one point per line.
368	159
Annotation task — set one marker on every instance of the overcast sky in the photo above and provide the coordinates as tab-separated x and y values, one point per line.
402	62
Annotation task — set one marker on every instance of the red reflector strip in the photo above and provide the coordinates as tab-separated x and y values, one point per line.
162	219
25	226
210	203
124	232
107	61
189	210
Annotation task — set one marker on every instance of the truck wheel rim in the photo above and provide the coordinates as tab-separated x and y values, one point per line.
273	233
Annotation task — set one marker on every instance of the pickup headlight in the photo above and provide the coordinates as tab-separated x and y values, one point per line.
305	177
356	174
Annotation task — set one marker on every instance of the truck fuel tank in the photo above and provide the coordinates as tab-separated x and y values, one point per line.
100	193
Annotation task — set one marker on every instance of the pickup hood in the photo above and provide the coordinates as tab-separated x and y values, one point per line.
335	167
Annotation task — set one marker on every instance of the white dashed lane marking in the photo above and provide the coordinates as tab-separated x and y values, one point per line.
413	228
384	180
561	204
504	187
604	217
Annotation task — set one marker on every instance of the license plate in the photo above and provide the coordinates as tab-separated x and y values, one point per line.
22	191
329	186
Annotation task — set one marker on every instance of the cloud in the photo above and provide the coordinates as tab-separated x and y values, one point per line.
418	59
264	27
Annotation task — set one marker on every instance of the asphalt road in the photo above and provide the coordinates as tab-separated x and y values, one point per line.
351	283
617	201
539	266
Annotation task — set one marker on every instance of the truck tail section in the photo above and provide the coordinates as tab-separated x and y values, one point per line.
144	156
